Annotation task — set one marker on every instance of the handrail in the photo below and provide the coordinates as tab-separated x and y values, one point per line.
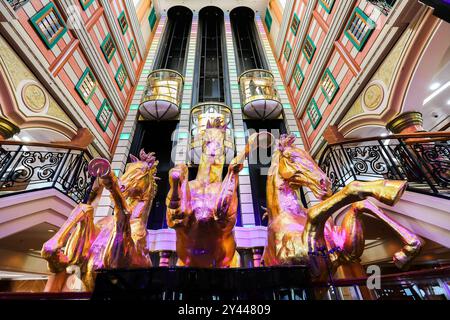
166	70
255	70
44	145
403	276
441	135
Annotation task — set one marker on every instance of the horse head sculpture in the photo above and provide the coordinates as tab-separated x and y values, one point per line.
299	169
296	235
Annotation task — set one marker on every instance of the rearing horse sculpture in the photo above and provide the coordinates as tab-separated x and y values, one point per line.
117	241
294	232
203	211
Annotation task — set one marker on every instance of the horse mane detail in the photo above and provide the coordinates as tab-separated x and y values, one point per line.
286	141
217	123
148	158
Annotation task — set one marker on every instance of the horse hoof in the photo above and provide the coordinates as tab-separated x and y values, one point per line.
403	258
392	191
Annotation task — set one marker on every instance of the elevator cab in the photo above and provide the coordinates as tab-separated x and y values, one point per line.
211	94
259	96
164	88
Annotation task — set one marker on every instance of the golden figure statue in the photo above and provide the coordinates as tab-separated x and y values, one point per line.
295	233
203	211
117	241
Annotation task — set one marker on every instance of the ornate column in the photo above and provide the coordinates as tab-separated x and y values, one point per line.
7	129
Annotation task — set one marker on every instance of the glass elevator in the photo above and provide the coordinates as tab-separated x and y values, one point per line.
162	101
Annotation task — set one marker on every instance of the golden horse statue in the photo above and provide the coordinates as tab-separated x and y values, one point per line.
295	233
117	241
203	211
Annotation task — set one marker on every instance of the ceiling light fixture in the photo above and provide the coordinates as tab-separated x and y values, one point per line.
436	93
435	86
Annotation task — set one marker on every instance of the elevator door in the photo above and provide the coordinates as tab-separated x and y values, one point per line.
173	52
211	84
249	52
157	137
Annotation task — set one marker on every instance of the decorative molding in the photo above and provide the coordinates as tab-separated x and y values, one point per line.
116	33
19	40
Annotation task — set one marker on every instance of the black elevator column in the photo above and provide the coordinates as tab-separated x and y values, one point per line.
211	76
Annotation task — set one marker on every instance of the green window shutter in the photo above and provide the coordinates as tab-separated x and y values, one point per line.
49	25
298	77
308	49
268	19
287	50
314	114
86	85
132	50
86	3
359	28
122	19
327	5
121	77
152	18
329	85
108	48
104	115
295	24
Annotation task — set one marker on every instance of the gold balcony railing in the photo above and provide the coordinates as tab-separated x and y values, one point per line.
259	96
200	115
162	95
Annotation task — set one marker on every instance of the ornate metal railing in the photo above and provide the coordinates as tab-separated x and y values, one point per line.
423	159
16	4
384	5
34	166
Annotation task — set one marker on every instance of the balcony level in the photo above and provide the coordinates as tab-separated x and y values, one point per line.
422	159
26	167
259	97
162	96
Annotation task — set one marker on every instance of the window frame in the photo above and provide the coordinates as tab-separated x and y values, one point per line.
298	69
313	45
86	72
295	17
102	46
123	28
333	80
369	22
268	19
119	70
132	44
313	104
36	18
105	104
86	4
328	9
152	18
287	45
